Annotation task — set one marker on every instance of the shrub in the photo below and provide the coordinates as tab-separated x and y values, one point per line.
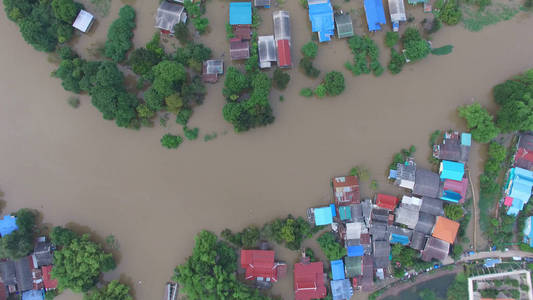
120	34
320	91
391	39
183	116
306	64
450	14
171	141
480	122
281	79
74	102
306	92
396	62
414	45
331	248
334	83
190	134
310	50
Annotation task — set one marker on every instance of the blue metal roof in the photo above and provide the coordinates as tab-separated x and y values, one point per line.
491	262
452	170
321	17
341	289
240	13
399	239
520	185
375	14
451	196
33	295
8	224
337	269
333	210
466	139
356	250
528	233
393	174
323	216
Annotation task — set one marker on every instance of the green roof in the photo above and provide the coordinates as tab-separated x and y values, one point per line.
344	26
345	213
353	266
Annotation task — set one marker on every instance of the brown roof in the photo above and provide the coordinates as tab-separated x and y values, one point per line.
346	189
445	229
239	49
243	32
435	249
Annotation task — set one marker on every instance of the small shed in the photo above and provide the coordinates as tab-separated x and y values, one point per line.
375	14
168	15
8	224
397	13
83	21
337	269
341	289
243	32
284	54
239	49
240	13
267	51
344	26
262	3
211	69
386	201
452	170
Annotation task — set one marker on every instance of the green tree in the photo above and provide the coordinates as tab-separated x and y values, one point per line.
450	13
171	141
396	62
414	45
181	32
235	83
306	92
427	294
281	79
310	50
78	265
334	83
479	121
61	236
190	134
19	243
66	10
320	91
143	60
114	290
306	64
174	103
183	116
458	290
200	24
453	211
391	39
120	34
516	115
331	248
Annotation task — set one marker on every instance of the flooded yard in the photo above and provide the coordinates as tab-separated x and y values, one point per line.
81	170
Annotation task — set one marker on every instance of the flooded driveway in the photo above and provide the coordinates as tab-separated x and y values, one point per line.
77	168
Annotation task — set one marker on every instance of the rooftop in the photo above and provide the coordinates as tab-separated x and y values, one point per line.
168	15
435	249
353	266
344	26
341	289
432	206
452	170
309	281
337	269
323	215
426	183
425	223
346	189
240	13
48	282
386	201
8	224
83	21
259	263
445	229
321	17
375	14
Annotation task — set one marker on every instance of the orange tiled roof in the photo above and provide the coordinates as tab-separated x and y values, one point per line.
445	229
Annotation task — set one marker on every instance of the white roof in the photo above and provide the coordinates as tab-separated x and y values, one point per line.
397	11
267	50
83	21
353	231
408	184
412	200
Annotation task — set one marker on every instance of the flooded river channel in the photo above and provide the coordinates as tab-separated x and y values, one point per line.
81	170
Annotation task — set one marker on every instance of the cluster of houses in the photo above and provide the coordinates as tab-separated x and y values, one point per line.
520	176
27	277
324	21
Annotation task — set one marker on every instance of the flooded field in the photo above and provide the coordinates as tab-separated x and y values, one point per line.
81	170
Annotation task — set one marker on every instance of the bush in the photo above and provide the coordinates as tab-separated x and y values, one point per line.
391	39
190	134
306	92
334	83
200	24
74	102
320	91
306	64
183	116
331	248
396	62
289	231
479	121
453	211
450	14
281	79
181	32
366	56
310	50
171	141
414	45
120	34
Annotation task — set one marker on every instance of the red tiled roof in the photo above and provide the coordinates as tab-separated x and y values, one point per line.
284	53
309	281
457	186
524	158
346	190
259	263
49	283
445	229
387	201
508	201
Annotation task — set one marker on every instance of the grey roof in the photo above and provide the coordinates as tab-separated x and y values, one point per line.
214	66
357	212
368	273
282	25
43	254
405	172
453	151
425	223
426	183
407	215
367	210
262	2
526	141
344	25
432	206
380	214
435	249
168	15
267	50
341	289
8	272
24	275
379	231
418	240
381	254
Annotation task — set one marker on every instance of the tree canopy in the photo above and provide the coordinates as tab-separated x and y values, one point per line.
331	248
289	231
78	264
516	104
453	211
414	45
66	10
111	291
19	243
171	141
120	34
479	121
334	83
310	49
281	79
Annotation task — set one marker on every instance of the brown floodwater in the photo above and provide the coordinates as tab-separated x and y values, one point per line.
81	170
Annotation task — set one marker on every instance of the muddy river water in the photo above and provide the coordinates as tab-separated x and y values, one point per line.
81	170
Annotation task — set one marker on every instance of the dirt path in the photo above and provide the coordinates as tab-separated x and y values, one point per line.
474	210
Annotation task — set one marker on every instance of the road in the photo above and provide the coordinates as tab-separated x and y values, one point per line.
496	254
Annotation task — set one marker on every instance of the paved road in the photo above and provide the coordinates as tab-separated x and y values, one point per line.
496	254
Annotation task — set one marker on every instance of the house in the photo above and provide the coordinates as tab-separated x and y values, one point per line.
322	215
8	224
407	213
452	170
346	190
243	32
397	13
400	235
239	49
445	229
341	289
375	14
425	223
357	212
381	254
240	13
267	51
211	69
49	283
356	250
168	15
309	281
528	233
353	266
379	231
344	25
405	175
23	274
386	201
337	269
282	36
321	17
454	191
519	185
426	183
33	295
432	206
8	274
367	281
345	213
353	231
259	265
524	155
262	3
42	252
418	240
435	249
83	21
380	214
